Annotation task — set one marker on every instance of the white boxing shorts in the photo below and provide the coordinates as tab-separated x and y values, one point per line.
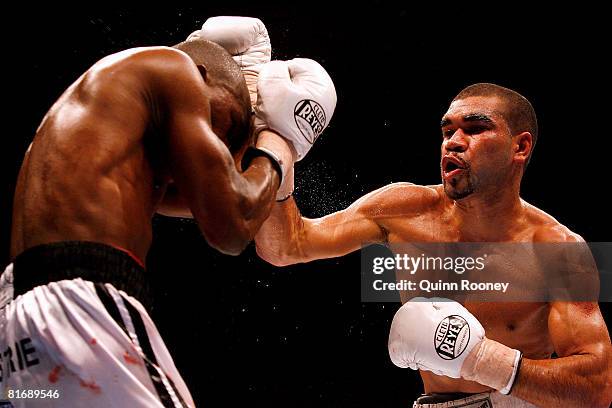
82	339
6	288
482	400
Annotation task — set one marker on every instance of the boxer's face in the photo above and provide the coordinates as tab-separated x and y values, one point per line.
476	147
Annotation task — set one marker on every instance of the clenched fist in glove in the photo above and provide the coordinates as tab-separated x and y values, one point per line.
245	38
296	100
443	337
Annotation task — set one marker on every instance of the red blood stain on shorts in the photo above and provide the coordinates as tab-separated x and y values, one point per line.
92	386
129	359
54	374
93	342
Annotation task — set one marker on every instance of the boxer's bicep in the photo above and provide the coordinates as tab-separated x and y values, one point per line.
362	222
578	328
584	367
287	238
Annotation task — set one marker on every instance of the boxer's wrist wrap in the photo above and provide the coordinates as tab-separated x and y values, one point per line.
253	152
517	367
90	261
492	364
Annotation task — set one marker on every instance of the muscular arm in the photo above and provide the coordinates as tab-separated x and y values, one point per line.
288	238
582	375
228	206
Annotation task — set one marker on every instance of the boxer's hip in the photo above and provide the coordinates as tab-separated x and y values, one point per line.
76	327
89	261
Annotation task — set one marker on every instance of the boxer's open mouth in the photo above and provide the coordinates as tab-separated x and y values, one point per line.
451	166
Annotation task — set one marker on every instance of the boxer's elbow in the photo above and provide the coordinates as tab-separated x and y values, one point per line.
276	247
273	258
232	238
227	229
174	204
276	255
232	250
229	246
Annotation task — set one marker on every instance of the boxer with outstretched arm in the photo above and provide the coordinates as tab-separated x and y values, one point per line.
488	135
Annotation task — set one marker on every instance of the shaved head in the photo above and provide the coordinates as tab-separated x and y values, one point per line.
218	62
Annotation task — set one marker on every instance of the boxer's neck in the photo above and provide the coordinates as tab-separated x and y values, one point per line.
488	214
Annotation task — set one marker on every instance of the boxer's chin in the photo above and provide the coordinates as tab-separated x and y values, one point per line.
458	189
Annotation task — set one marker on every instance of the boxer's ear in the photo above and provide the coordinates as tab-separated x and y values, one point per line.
523	143
203	71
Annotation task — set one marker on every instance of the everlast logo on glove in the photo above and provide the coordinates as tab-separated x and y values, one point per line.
452	337
310	119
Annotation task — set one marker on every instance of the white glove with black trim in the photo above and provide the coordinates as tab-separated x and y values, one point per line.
296	99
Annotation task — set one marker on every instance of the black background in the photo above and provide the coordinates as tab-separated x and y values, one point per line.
243	332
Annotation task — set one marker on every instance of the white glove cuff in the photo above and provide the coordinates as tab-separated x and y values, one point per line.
286	187
517	365
492	364
278	162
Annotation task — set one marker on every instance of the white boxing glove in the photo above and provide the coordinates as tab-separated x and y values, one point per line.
433	335
443	337
296	99
245	38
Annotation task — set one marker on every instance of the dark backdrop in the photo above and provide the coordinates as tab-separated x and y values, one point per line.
243	332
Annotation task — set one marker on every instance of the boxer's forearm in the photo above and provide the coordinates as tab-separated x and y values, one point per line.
278	239
578	381
287	238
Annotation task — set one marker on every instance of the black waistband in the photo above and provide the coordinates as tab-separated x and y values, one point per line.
90	261
436	398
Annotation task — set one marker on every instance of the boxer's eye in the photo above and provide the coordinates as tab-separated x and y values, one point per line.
447	133
474	130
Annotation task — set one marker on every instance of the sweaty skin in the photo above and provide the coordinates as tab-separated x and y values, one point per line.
103	156
470	206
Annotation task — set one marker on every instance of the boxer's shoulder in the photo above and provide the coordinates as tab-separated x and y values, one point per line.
142	56
555	233
399	199
545	228
148	65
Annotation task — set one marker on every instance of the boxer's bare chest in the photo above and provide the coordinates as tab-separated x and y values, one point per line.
518	317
